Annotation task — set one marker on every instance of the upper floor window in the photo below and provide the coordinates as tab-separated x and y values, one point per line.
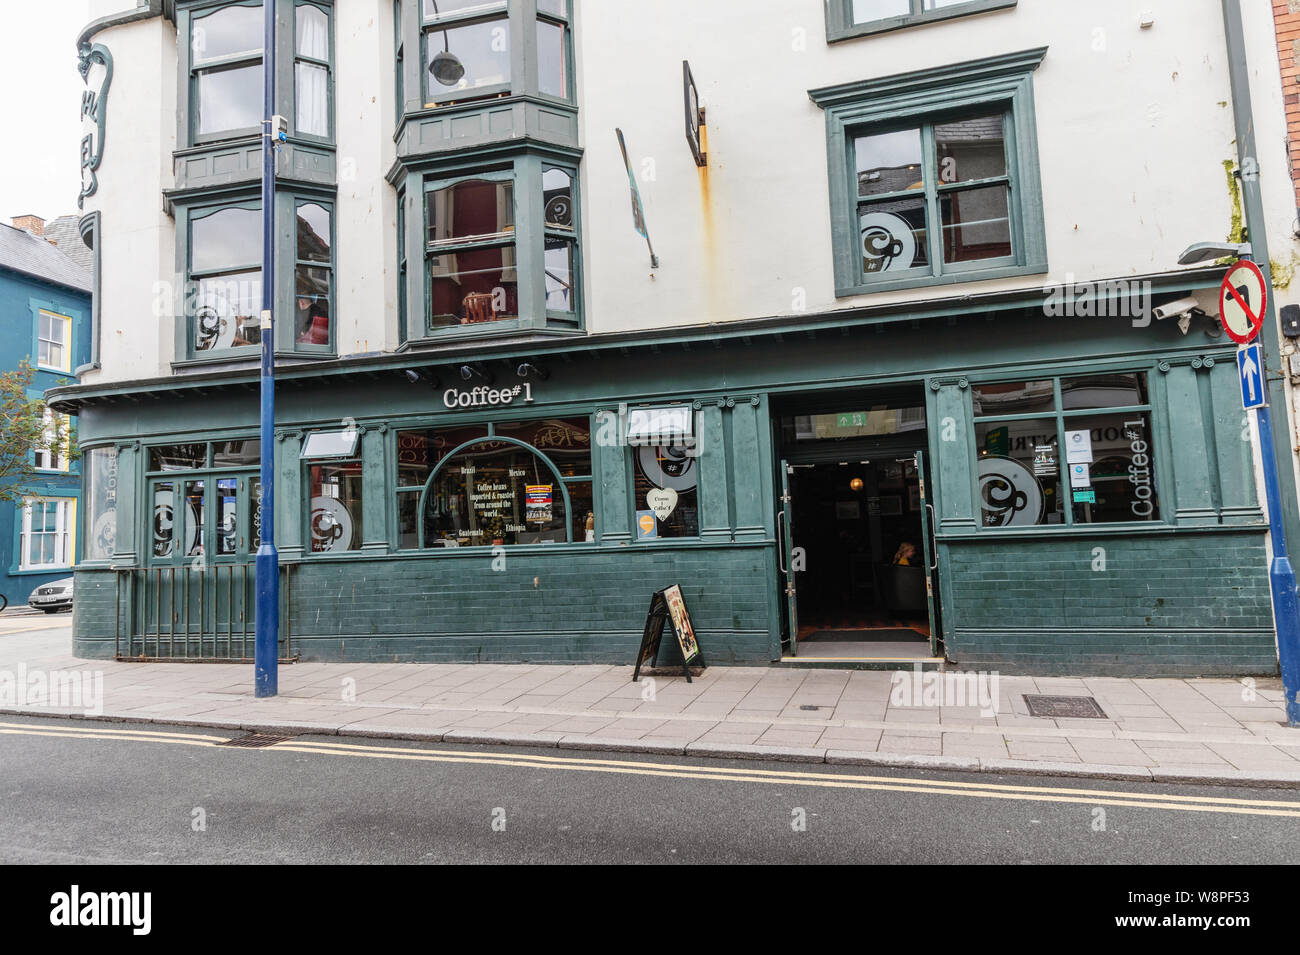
53	341
224	277
226	95
480	268
850	18
47	533
52	454
311	71
469	51
934	176
313	275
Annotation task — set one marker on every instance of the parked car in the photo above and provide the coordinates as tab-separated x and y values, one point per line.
52	597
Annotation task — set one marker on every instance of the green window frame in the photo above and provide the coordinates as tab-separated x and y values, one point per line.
313	273
569	484
846	19
1137	430
529	43
471	22
212	325
308	61
223	528
202	67
918	103
540	228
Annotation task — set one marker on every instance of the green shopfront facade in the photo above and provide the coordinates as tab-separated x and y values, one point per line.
426	517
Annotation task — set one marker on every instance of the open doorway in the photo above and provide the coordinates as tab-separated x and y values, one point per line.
858	567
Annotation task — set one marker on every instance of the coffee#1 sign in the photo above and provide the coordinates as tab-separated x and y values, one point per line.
484	396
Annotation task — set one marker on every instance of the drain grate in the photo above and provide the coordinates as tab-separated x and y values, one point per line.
808	706
255	740
1064	707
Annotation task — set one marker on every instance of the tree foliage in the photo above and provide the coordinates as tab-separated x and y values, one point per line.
24	430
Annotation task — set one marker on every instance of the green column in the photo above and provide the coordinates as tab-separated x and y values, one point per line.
1232	446
952	471
711	471
288	495
1192	484
610	470
748	463
374	488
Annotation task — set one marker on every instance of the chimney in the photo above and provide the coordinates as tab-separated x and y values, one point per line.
33	224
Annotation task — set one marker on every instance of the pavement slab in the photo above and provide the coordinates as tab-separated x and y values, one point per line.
1180	730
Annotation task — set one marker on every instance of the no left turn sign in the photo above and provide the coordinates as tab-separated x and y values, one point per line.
1242	297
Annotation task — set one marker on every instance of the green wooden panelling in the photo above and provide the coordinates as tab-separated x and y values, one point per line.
1192	488
952	455
289	529
749	467
711	464
376	488
611	471
1232	445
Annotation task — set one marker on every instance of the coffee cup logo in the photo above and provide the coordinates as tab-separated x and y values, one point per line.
887	243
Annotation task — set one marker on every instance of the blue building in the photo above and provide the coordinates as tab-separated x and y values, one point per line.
45	299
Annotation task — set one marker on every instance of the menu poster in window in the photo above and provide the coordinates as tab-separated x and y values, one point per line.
539	503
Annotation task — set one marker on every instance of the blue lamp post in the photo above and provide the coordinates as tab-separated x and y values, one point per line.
267	627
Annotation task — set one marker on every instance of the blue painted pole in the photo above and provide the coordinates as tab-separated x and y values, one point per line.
1281	576
266	653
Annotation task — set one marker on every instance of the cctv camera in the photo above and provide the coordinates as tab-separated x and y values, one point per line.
1181	308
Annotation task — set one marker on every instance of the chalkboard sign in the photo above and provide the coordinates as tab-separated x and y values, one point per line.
669	606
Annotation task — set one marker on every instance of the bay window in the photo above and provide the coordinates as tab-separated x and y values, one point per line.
502	248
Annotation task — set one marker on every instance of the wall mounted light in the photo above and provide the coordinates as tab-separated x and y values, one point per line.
470	372
856	484
529	370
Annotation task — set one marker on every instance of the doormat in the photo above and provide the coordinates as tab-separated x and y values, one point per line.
1065	707
864	636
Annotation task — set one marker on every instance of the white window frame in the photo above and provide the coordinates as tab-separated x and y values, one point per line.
66	344
45	459
65	523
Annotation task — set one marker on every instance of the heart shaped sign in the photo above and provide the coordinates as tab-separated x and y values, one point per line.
661	500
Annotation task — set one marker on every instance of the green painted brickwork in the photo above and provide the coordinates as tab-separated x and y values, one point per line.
588	606
1185	605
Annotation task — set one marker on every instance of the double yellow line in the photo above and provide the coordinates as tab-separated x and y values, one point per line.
627	767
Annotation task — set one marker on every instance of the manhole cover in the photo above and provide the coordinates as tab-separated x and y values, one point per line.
255	740
1064	707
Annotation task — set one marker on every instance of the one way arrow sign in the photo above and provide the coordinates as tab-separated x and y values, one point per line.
1250	369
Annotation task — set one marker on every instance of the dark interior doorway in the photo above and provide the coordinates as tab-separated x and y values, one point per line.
856	527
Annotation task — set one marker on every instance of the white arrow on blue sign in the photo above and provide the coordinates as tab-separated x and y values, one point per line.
1250	369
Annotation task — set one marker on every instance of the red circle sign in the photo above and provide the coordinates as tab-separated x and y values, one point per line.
1243	295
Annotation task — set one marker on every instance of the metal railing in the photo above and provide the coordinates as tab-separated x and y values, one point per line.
185	612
